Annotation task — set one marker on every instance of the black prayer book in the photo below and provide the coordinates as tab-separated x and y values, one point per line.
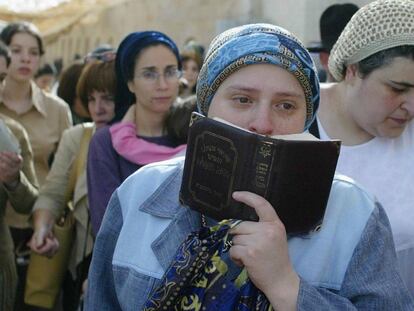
293	172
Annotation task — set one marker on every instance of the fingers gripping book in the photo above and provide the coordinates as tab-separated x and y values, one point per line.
293	172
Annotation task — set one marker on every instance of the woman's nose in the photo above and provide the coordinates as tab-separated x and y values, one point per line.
162	82
25	56
98	106
408	103
261	122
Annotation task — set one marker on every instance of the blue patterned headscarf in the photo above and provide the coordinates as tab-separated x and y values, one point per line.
126	55
257	44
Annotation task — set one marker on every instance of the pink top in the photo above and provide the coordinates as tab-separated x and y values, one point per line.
138	150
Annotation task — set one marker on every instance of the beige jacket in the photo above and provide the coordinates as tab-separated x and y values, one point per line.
52	192
44	123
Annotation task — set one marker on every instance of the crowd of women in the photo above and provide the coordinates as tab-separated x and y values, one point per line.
113	143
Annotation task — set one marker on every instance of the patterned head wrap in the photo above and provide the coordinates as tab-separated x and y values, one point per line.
378	26
257	44
127	52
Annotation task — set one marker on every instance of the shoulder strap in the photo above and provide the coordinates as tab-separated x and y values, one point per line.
83	150
79	164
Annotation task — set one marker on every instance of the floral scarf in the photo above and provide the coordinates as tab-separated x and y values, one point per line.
198	280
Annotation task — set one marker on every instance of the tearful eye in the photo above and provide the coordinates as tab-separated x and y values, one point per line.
286	106
241	100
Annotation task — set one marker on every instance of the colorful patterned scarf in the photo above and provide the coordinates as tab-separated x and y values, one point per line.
198	277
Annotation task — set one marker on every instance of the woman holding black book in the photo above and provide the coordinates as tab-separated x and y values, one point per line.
153	253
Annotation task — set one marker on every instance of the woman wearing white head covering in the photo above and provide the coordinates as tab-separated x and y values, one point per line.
371	110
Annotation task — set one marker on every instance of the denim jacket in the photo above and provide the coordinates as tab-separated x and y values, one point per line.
349	264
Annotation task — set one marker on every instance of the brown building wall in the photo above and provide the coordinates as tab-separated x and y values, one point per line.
182	19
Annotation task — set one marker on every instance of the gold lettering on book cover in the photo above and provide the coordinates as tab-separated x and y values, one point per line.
265	150
262	167
218	161
261	173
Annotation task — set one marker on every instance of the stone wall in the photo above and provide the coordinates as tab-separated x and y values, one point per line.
182	19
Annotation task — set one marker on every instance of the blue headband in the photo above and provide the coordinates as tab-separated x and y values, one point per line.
255	44
125	59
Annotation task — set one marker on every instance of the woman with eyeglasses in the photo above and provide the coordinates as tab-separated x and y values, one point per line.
148	69
96	89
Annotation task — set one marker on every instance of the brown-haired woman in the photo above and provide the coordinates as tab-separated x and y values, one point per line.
191	62
18	188
67	91
43	115
96	88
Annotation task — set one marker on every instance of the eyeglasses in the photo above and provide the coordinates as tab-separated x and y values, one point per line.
151	76
106	56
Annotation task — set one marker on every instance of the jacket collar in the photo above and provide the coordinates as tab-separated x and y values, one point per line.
164	203
38	98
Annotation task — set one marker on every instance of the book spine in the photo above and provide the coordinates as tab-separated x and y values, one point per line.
263	161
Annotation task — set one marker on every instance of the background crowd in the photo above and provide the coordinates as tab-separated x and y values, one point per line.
83	129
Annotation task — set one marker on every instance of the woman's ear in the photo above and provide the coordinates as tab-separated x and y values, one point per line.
351	73
131	86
